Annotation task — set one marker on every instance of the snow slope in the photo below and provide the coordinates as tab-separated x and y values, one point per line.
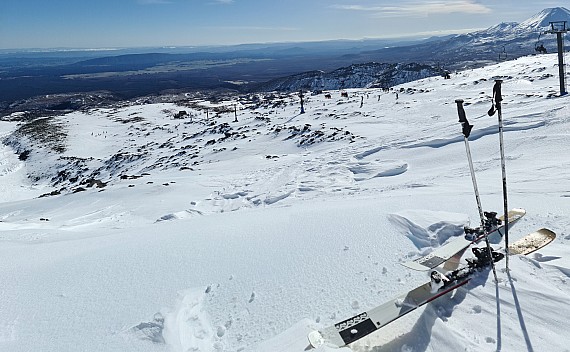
541	20
214	235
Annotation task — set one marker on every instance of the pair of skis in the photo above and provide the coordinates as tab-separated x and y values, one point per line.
365	323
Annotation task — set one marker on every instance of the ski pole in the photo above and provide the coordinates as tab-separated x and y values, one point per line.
466	132
497	107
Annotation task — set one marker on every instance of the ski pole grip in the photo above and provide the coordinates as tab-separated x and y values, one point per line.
497	93
466	127
461	111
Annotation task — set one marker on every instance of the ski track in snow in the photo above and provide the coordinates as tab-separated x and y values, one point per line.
208	235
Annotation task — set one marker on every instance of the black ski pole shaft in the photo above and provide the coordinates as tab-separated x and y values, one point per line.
498	98
466	127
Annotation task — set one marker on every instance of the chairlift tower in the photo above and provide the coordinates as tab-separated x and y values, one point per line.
503	54
559	28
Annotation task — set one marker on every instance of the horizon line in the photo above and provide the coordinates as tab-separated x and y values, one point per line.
413	36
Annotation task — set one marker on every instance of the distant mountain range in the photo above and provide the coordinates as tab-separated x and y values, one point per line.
507	40
128	73
504	41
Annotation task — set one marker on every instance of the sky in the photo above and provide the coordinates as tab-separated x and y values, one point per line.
143	23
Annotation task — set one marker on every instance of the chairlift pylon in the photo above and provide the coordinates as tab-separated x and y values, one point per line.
503	54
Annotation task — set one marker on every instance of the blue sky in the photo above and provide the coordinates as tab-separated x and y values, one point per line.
137	23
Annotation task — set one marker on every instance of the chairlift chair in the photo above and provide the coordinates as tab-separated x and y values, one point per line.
539	46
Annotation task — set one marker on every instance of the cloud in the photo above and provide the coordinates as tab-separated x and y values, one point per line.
223	2
420	8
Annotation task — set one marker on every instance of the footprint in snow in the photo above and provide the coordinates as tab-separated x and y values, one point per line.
151	331
187	327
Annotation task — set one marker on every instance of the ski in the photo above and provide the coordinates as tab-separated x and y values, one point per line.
532	242
358	326
473	236
365	323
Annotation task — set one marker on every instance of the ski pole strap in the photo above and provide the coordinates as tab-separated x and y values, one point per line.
463	118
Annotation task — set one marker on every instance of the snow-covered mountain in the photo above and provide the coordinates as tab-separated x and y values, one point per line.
513	39
521	33
532	26
355	76
174	227
499	29
504	41
541	21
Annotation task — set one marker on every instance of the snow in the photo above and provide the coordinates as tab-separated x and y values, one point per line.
542	19
251	241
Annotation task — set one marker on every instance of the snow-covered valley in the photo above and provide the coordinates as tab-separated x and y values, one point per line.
199	233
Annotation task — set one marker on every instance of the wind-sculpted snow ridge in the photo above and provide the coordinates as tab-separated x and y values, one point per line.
365	170
477	134
172	226
426	230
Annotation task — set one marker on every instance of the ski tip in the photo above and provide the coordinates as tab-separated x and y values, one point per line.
519	211
547	233
316	340
514	214
532	242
